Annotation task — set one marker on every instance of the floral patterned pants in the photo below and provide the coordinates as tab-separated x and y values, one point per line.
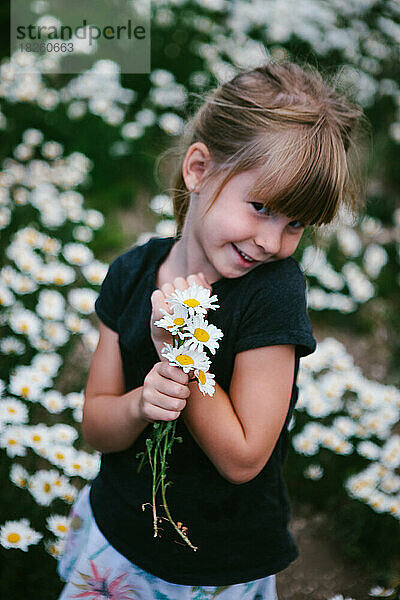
94	570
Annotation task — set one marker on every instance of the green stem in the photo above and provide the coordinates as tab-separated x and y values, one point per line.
163	487
154	466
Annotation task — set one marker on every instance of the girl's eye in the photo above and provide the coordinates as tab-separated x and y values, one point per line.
258	206
297	225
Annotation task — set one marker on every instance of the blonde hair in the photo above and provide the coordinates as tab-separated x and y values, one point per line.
287	119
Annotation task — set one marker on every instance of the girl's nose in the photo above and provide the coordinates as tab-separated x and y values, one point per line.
269	238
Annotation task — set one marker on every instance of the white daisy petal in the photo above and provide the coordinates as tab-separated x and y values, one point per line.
195	298
18	534
201	333
186	358
206	382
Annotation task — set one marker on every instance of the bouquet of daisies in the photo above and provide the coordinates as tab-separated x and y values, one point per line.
192	334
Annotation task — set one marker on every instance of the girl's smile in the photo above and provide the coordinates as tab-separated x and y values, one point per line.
236	234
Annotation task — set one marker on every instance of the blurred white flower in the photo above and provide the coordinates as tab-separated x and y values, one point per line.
132	131
51	305
55	547
77	254
76	110
162	204
171	123
369	450
161	77
11	344
18	475
18	534
93	218
53	401
313	472
32	137
82	300
13	411
12	440
349	241
58	524
375	257
43	486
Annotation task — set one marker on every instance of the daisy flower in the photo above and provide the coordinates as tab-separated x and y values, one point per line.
55	547
42	486
380	592
195	298
313	472
13	411
201	333
206	382
58	524
19	476
18	534
59	455
186	358
175	321
12	439
63	433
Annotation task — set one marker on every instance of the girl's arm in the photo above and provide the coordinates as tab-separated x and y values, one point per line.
112	420
238	432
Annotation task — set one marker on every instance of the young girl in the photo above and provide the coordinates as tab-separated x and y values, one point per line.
264	157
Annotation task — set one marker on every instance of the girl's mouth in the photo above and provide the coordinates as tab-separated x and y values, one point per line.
242	257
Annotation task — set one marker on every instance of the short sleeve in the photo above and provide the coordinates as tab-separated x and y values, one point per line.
108	302
276	312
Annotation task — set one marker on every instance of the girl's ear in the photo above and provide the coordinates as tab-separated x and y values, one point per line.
194	164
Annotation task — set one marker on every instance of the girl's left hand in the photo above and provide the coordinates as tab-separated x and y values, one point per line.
158	297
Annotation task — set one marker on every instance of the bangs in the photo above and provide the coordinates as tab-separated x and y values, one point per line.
303	176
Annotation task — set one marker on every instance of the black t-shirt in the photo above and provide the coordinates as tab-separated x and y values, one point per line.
240	530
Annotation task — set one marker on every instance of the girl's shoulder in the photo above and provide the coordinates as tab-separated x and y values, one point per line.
129	269
139	255
285	273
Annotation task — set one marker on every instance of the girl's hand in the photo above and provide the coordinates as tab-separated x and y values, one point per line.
158	297
164	393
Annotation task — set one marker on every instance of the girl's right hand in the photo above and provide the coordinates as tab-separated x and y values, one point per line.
164	393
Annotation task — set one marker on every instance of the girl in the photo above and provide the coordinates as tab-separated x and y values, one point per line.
264	157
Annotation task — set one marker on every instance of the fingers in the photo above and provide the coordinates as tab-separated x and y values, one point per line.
165	393
172	372
158	303
181	283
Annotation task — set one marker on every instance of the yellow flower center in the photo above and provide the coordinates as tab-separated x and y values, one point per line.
47	488
59	455
25	390
201	335
192	302
61	527
179	321
77	466
11	410
13	538
36	438
184	359
12	442
202	377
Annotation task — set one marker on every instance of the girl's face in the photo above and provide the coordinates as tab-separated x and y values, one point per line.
236	224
